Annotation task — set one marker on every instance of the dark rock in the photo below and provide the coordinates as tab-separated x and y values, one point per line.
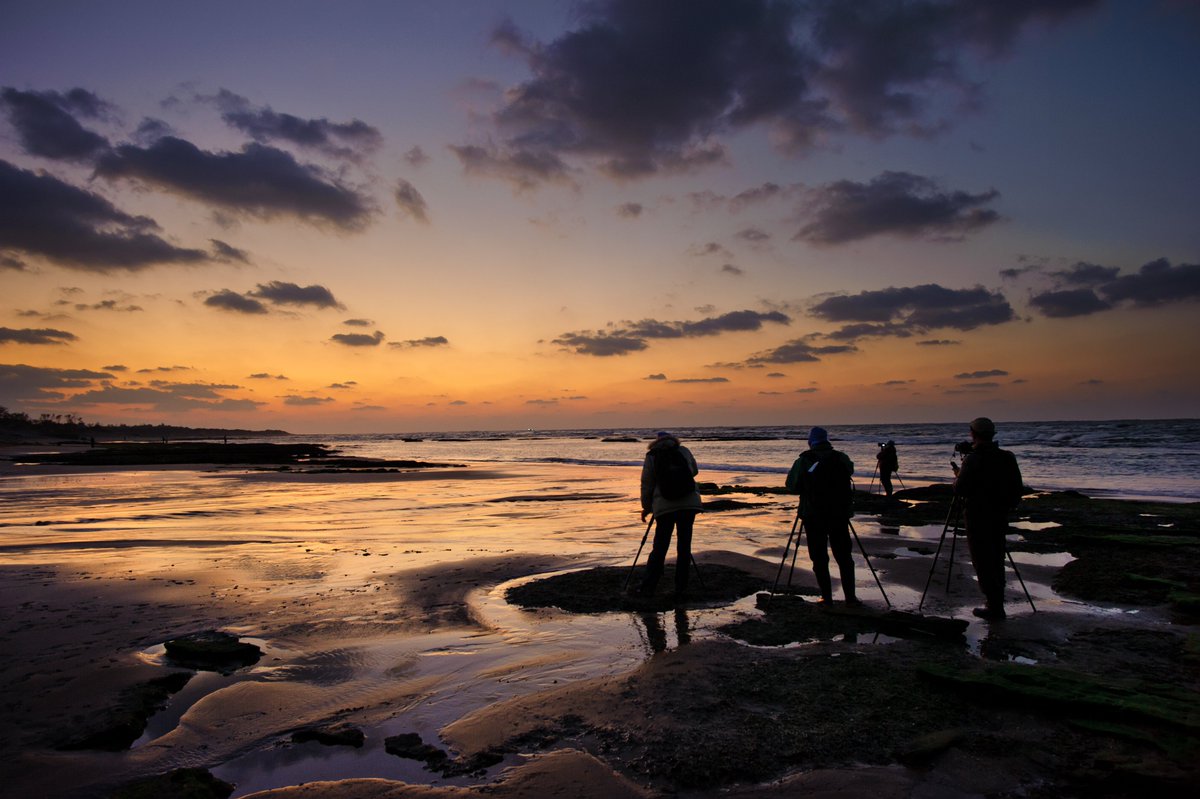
604	589
336	735
409	745
212	650
184	783
116	728
924	750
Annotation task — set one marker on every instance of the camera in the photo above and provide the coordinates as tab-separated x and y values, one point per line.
964	448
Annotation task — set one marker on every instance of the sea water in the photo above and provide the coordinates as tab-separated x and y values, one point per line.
1123	459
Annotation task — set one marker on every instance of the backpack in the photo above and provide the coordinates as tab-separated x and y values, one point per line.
827	489
673	473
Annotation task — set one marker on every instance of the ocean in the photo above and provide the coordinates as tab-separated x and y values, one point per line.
1121	459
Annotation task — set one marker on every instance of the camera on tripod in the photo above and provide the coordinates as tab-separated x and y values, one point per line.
964	448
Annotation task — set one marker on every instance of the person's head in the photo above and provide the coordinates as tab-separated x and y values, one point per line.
663	439
983	429
817	435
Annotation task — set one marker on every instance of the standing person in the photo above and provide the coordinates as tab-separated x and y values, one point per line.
990	484
889	463
822	478
669	492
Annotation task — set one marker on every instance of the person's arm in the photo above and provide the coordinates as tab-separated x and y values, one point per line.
647	486
795	478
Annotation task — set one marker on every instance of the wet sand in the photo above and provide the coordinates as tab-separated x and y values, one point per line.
380	603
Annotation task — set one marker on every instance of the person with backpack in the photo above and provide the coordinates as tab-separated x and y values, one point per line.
990	484
889	464
669	492
822	478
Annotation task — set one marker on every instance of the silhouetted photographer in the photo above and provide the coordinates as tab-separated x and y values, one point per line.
822	478
990	484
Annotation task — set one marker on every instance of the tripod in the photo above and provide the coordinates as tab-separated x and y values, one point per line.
871	487
952	523
794	535
645	535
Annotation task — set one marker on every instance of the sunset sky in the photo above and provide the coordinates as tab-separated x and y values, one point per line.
416	216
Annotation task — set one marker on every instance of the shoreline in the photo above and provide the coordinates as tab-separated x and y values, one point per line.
411	635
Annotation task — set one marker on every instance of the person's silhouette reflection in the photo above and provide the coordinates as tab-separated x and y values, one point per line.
656	633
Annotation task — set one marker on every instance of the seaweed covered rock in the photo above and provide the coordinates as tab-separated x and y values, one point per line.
116	728
212	650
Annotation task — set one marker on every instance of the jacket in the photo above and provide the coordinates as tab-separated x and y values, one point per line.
798	476
990	481
652	499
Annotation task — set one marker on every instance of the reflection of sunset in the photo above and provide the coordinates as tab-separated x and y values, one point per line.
422	231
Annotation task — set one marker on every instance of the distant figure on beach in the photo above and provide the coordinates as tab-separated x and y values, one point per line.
669	492
989	482
889	464
822	478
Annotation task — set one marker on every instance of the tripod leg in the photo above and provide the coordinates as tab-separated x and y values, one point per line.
936	554
871	487
950	563
869	566
788	546
629	576
699	576
795	552
901	479
1013	563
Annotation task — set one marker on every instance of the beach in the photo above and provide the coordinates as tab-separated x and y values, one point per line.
380	601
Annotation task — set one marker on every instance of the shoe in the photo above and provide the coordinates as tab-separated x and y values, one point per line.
990	614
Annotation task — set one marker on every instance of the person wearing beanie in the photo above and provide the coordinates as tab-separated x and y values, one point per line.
822	478
989	483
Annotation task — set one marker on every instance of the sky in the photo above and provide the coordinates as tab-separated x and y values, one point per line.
420	216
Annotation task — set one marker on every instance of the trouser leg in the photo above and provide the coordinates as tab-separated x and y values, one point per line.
985	539
684	522
885	480
818	540
839	542
663	527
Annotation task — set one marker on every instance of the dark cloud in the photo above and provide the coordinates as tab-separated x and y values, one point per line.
1098	288
632	336
776	374
415	156
368	408
358	322
600	344
637	88
710	248
45	217
525	169
22	382
730	269
861	330
700	380
882	62
541	402
1086	275
981	374
259	181
107	305
918	309
340	139
410	201
981	386
938	342
166	369
11	262
228	300
806	391
348	385
167	397
658	376
1068	302
895	203
228	253
266	376
358	339
281	293
304	402
758	194
753	235
630	210
116	368
39	335
428	341
46	125
1156	283
800	351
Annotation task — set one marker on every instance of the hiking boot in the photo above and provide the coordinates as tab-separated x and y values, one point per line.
990	614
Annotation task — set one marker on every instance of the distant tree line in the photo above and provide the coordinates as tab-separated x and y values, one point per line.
68	425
